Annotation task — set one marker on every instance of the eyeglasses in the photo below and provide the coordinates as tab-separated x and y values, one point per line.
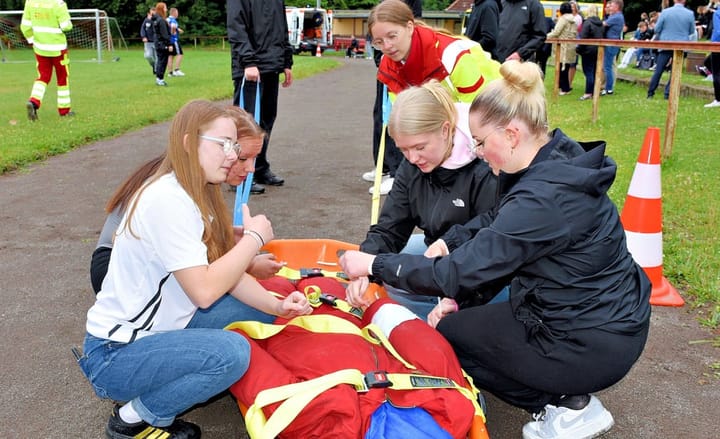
391	38
475	145
228	146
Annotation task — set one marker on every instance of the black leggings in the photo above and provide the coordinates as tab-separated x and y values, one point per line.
161	62
529	372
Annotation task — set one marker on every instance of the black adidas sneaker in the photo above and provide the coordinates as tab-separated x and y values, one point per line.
118	429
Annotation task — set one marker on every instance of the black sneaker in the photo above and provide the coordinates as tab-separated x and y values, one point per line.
31	111
257	189
118	429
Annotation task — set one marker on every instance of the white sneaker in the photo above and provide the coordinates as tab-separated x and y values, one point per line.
708	78
386	185
713	104
370	176
622	66
160	82
565	423
178	72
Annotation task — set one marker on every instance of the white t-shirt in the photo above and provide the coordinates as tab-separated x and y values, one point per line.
139	295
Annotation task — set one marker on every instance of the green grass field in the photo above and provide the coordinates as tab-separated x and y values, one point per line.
112	97
115	97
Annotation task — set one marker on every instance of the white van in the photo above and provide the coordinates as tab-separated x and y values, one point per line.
308	29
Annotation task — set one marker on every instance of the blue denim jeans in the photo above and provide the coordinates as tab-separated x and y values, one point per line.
662	59
608	65
165	374
419	304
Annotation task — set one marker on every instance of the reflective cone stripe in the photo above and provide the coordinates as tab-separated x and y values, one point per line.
642	220
646	248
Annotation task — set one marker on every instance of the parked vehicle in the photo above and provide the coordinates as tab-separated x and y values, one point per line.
309	28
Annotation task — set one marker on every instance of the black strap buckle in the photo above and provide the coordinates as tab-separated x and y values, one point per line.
310	272
377	379
328	299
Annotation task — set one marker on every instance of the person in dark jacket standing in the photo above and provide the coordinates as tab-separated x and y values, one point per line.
439	184
148	37
592	29
578	315
482	26
163	46
523	30
260	51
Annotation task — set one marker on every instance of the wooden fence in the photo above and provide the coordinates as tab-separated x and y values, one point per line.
677	70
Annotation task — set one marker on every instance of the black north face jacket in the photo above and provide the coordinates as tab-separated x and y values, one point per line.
432	202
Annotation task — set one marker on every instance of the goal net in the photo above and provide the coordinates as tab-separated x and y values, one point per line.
94	37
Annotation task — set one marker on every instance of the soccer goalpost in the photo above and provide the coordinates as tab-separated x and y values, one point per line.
94	33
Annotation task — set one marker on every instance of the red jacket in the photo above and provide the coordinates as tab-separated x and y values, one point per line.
457	62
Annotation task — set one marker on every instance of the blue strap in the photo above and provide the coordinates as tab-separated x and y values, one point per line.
386	106
243	190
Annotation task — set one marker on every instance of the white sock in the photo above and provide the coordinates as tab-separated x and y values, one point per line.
129	415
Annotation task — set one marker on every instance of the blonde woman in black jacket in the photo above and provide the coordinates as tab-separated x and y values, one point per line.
578	315
439	184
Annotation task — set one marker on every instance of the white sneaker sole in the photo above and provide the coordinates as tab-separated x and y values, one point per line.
597	426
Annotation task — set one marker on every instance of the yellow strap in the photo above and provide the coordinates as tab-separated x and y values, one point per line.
321	323
293	274
296	396
312	292
375	208
406	381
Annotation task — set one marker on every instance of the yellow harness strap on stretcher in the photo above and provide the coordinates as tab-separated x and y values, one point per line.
322	323
293	274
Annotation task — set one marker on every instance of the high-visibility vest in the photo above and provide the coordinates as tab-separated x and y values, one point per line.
44	23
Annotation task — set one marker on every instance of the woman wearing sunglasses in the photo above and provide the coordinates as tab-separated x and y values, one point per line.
578	314
176	278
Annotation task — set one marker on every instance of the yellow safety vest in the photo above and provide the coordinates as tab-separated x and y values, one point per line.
44	23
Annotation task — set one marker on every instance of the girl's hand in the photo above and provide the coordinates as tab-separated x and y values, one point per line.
355	292
295	304
264	266
437	248
445	307
355	263
258	223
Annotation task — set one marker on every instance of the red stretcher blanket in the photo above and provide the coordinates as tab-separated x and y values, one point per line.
295	355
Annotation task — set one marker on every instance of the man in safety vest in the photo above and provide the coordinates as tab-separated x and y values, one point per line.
43	25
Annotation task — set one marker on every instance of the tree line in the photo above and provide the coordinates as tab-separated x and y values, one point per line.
207	17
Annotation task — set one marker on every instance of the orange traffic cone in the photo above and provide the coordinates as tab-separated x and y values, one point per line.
642	220
318	52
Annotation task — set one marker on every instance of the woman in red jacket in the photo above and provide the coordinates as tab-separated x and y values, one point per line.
415	53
